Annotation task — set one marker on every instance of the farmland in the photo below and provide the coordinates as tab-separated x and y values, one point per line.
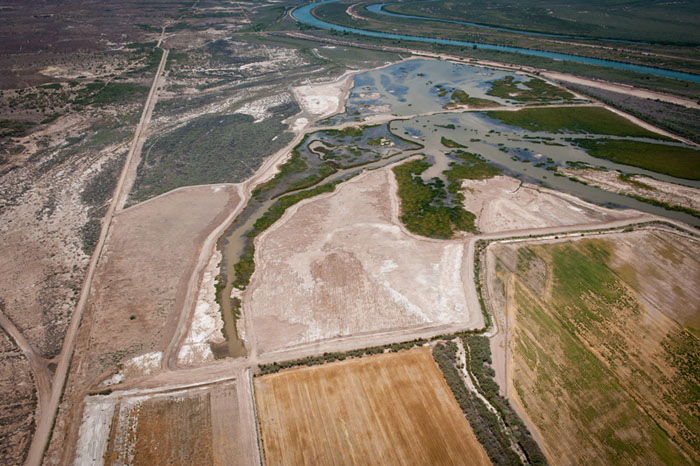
394	407
603	339
147	428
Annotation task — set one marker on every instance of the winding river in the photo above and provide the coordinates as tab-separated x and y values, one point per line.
305	15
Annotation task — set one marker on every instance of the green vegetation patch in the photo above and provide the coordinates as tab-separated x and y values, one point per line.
590	120
626	384
533	91
450	143
678	161
423	209
209	149
483	422
479	361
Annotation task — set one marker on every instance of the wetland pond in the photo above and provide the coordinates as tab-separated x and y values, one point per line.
326	157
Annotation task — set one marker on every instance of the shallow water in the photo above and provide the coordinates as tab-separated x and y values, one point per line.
510	149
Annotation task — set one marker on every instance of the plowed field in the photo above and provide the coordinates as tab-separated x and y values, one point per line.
386	409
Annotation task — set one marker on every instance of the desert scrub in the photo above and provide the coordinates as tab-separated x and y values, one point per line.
210	149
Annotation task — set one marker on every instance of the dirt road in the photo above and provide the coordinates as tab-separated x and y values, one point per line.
39	365
44	423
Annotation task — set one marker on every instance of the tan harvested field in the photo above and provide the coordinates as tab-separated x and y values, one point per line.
341	264
603	343
391	409
503	203
144	272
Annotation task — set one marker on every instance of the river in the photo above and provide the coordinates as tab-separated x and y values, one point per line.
304	14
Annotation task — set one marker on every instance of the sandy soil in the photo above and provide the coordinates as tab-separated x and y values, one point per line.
669	193
394	407
144	272
502	203
337	265
324	99
206	322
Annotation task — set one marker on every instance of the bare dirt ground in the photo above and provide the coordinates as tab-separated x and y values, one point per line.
337	266
135	277
146	428
503	203
393	408
669	193
144	272
19	402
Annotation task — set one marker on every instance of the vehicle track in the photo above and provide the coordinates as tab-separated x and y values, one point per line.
45	420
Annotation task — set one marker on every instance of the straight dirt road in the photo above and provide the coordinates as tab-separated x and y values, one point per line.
47	413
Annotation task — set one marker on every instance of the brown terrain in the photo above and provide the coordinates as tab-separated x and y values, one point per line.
19	401
141	282
392	408
148	427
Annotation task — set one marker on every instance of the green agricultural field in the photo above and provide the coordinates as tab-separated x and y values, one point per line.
678	161
606	378
590	120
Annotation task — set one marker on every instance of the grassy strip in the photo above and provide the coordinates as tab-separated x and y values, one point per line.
676	208
246	265
450	143
591	120
480	367
538	91
678	161
483	422
339	356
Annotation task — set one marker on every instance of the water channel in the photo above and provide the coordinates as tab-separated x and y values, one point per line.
305	15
